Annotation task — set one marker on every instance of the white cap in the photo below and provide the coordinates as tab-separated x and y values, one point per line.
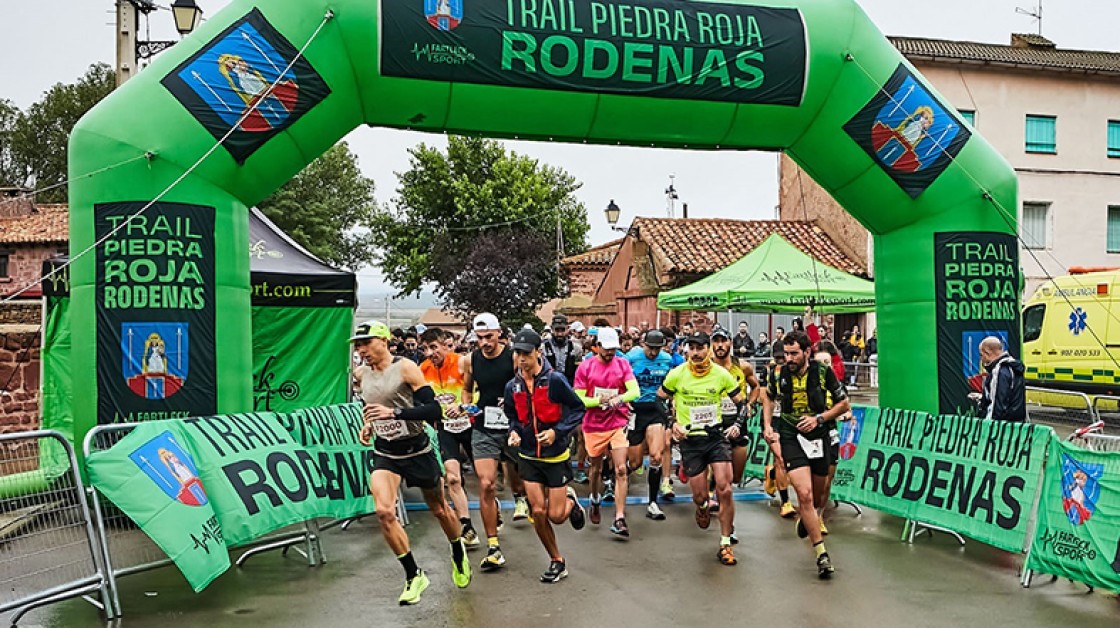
526	326
608	338
576	327
486	321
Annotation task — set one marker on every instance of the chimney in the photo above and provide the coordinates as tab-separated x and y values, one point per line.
15	202
1030	40
684	209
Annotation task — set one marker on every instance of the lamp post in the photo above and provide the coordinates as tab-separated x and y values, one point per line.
131	50
614	212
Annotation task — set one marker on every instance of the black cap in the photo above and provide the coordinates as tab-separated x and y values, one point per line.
720	332
699	338
655	338
526	340
559	320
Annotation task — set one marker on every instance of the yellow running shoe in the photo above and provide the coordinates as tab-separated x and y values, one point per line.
824	530
461	573
787	511
769	486
413	588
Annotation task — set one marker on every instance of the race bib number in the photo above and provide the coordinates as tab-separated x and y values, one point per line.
389	430
600	393
494	419
834	437
703	417
727	407
457	426
446	399
633	424
813	449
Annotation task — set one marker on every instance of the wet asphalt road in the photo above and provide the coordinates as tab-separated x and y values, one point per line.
666	573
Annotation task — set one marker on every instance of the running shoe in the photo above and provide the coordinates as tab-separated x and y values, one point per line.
653	511
667	494
681	474
727	555
703	517
608	491
500	522
577	517
824	530
580	477
734	538
461	573
413	588
787	511
471	540
640	471
619	528
713	503
769	486
557	571
824	567
520	509
595	513
494	560
801	531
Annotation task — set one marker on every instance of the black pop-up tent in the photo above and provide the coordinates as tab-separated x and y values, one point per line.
302	312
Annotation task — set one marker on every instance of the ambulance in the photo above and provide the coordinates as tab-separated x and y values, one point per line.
1071	333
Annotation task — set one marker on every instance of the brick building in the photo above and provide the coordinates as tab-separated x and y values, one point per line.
665	253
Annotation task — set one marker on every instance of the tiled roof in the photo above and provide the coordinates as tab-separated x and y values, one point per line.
601	255
50	224
1035	53
697	246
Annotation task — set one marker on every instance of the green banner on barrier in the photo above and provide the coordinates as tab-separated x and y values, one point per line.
199	486
1078	532
978	478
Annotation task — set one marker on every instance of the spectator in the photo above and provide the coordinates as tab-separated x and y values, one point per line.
762	349
834	358
872	351
1004	392
742	343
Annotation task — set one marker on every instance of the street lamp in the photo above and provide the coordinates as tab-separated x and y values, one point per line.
613	213
187	14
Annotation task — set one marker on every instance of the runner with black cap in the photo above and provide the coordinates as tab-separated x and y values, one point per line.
722	346
697	388
543	411
398	404
650	365
487	370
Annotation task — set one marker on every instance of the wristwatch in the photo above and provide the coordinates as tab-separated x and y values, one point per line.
397	414
820	419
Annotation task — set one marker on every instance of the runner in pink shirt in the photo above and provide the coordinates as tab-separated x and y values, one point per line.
607	385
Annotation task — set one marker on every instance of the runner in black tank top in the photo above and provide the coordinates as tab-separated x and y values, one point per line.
487	371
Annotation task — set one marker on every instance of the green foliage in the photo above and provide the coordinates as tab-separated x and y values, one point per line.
328	208
445	199
35	142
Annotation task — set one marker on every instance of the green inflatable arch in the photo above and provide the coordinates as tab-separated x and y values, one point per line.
161	316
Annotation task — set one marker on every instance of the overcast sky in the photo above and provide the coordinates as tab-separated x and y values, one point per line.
43	43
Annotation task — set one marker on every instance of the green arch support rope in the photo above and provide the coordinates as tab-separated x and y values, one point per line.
161	322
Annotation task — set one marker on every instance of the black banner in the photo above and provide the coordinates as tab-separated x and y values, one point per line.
977	292
660	48
155	312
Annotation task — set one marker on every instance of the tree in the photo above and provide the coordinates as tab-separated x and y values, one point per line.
39	137
475	196
10	174
328	208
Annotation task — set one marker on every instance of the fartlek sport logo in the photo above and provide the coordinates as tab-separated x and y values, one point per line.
172	469
1081	488
443	14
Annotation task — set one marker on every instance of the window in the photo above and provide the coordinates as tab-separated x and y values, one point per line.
1113	138
1032	226
969	116
1032	322
4	263
1042	134
1112	244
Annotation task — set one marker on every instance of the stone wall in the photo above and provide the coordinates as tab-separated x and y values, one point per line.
20	377
585	281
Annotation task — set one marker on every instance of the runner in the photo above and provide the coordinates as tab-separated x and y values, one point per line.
802	390
543	411
722	346
605	385
488	370
441	371
698	386
776	480
650	365
398	402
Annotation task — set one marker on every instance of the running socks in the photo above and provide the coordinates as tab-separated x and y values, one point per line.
409	564
465	522
458	552
654	481
784	494
819	549
492	541
725	540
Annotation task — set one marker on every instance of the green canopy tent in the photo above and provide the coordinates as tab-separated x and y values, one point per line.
302	313
777	278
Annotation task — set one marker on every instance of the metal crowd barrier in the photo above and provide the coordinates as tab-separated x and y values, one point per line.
1107	409
1059	406
48	545
127	550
